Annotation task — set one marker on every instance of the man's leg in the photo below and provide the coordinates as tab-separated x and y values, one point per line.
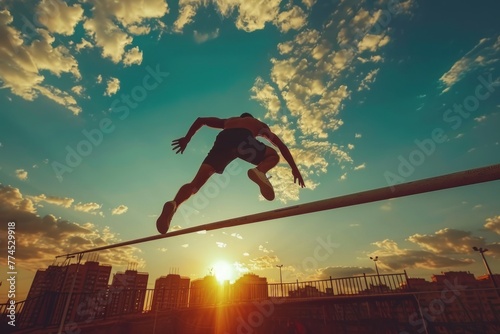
186	191
271	159
258	174
189	189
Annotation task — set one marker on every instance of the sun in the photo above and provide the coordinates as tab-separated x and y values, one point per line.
223	271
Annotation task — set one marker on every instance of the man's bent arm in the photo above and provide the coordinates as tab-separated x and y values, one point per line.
285	152
212	122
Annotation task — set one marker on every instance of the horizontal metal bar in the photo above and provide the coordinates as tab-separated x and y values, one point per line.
459	179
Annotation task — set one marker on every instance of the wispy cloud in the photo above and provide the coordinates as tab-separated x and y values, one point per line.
46	237
112	86
21	174
119	210
483	54
201	37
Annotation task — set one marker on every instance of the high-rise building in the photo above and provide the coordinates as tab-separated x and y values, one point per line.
127	292
47	298
171	292
250	287
204	292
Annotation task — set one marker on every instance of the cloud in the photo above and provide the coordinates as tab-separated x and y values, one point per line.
483	54
133	56
493	224
45	237
87	207
112	86
249	15
119	210
391	257
369	79
373	42
265	94
200	37
447	240
104	27
84	44
221	244
21	64
294	18
338	272
263	262
315	75
78	90
362	166
187	11
58	17
21	174
65	202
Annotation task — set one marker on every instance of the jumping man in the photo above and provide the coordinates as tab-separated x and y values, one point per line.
236	140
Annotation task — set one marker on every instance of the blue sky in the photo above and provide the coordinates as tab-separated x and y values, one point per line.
93	94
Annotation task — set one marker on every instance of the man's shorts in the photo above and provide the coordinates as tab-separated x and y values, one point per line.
235	143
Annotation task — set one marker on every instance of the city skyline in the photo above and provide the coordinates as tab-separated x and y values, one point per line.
366	95
92	299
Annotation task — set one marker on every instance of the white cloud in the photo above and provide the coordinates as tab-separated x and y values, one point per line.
133	56
368	80
373	42
294	18
108	18
265	94
483	54
493	224
65	202
112	86
84	44
391	257
58	17
21	174
46	237
200	37
186	13
21	64
447	240
250	15
87	207
119	210
254	14
221	244
60	97
362	166
78	90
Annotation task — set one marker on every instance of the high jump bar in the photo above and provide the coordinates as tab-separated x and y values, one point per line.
459	179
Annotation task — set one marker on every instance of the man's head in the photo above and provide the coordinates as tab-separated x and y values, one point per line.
245	114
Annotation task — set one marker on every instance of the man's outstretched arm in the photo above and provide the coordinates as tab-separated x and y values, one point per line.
180	144
285	152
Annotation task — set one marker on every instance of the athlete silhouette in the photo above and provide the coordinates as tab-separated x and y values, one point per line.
236	140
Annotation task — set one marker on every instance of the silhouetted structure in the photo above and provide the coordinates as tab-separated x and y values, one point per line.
204	292
127	292
51	288
250	287
171	292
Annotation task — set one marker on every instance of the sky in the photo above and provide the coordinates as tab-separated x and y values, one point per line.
366	94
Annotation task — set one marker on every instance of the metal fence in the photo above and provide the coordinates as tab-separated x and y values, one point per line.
47	309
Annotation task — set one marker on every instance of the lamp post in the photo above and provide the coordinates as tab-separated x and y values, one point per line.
482	251
281	279
375	259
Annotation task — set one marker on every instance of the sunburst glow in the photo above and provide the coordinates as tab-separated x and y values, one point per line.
223	271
